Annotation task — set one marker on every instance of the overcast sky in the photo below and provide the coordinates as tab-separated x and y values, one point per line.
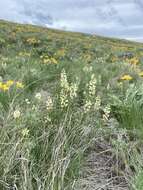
117	18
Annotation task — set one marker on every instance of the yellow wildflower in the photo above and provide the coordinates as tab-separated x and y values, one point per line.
134	61
141	74
5	87
1	85
53	60
19	85
24	54
32	41
126	77
9	83
46	61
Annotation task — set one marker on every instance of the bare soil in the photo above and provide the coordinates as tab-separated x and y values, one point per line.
102	171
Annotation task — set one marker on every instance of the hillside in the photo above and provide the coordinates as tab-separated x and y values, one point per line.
71	110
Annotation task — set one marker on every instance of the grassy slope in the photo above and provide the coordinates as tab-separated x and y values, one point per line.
43	148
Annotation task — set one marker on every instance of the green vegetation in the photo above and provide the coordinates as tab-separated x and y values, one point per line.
58	92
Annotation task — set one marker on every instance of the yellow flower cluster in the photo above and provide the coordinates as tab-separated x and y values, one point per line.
133	61
47	60
19	29
19	85
24	54
126	77
32	41
141	74
5	86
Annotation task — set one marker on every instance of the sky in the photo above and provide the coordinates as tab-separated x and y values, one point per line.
113	18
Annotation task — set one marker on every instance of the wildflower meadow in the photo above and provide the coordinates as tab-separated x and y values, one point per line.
65	96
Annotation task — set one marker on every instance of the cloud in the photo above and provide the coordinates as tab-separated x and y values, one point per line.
107	17
7	9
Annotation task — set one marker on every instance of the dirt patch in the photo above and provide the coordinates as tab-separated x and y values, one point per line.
102	171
